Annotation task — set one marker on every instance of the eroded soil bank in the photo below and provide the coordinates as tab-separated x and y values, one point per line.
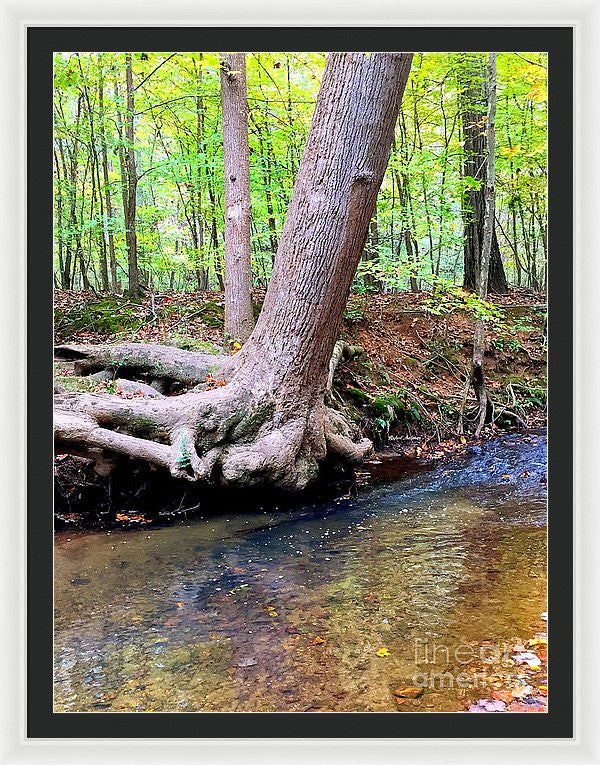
408	390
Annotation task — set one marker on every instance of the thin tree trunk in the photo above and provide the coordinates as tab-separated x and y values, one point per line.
214	233
95	183
121	145
265	158
62	267
75	227
371	254
66	277
477	372
239	318
473	115
406	234
107	197
130	230
202	270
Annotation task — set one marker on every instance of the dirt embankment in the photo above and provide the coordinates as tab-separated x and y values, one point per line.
408	390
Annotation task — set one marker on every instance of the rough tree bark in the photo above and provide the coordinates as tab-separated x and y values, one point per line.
239	318
485	408
473	113
269	424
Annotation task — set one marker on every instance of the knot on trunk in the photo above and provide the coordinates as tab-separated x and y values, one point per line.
363	177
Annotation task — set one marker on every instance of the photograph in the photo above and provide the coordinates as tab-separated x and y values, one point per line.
300	381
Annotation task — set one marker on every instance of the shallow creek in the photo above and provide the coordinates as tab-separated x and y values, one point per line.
322	608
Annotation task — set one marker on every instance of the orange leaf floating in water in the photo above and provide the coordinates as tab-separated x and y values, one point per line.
179	604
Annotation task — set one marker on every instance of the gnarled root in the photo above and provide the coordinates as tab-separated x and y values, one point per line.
341	440
230	436
342	351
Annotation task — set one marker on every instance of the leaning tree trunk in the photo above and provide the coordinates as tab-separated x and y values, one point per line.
239	318
269	423
473	111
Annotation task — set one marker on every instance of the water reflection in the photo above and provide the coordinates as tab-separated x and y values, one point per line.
272	612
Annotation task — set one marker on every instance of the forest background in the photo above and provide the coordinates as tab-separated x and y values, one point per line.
175	172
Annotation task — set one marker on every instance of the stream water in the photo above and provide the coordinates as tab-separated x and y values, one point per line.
324	608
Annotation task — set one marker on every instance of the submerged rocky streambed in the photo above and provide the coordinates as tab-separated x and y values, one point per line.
329	607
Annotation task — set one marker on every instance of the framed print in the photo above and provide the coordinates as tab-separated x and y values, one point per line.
299	412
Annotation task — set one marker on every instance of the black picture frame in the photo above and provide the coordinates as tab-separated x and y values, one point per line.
41	720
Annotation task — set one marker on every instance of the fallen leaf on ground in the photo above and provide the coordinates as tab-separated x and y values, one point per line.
488	705
529	658
383	652
537	641
521	691
408	692
520	706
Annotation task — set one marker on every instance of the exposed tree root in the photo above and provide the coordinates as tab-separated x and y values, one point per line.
237	435
342	351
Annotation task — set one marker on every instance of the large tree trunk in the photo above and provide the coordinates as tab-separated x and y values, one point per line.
473	112
270	424
239	318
